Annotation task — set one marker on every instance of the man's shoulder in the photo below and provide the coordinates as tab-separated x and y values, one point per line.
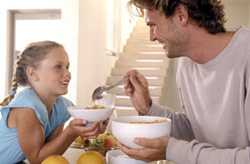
183	62
243	35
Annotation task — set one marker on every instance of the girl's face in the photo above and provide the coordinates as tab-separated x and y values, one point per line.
52	73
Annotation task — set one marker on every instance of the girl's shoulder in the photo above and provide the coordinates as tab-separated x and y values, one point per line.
27	97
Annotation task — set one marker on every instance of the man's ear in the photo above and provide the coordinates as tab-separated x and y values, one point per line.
181	15
31	73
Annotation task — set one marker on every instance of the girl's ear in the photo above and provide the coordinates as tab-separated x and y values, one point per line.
32	74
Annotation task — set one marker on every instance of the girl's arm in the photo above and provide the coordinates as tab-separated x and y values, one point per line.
56	132
31	136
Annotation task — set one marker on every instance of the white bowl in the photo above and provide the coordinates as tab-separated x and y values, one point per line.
91	115
118	157
125	131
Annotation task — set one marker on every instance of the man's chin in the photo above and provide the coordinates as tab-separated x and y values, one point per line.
171	56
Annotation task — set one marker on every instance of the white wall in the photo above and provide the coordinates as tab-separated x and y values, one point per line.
93	64
124	24
69	33
3	52
237	13
84	35
249	14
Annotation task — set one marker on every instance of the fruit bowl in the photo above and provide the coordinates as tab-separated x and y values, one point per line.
125	129
102	143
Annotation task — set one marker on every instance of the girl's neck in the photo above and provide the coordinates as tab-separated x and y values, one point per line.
47	99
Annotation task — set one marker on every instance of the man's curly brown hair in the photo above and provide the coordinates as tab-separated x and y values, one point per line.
208	14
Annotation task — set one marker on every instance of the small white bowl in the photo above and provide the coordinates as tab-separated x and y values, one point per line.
125	131
91	115
118	157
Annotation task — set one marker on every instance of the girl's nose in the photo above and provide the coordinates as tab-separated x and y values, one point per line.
68	74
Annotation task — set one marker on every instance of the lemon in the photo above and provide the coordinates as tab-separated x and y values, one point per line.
55	159
91	157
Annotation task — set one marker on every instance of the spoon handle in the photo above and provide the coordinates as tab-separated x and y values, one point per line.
114	85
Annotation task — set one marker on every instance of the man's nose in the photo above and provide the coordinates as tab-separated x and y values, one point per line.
152	34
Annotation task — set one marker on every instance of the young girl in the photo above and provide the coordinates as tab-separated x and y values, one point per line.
31	122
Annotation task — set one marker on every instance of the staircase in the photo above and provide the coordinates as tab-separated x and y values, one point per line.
148	58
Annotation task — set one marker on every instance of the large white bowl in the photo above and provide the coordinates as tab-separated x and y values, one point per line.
125	131
91	115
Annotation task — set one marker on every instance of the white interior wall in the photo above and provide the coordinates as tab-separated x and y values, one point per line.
3	51
125	23
69	39
84	29
237	13
249	14
93	64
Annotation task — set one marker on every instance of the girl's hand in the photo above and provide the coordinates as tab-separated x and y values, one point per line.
103	125
78	127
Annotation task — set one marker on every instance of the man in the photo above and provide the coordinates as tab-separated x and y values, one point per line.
212	80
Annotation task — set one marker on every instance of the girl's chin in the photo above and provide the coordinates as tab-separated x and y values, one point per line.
63	92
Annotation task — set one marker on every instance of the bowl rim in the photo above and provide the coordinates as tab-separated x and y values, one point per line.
147	116
82	108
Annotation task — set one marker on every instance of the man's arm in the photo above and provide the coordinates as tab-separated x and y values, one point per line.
192	152
180	125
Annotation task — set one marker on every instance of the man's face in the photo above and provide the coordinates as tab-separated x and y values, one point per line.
165	30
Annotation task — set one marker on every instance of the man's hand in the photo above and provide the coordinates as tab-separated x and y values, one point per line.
153	149
136	87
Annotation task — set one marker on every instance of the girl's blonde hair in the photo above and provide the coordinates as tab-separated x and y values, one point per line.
30	56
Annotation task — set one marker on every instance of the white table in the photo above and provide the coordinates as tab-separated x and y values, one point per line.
72	154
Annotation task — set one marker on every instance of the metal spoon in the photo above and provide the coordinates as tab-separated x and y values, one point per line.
97	93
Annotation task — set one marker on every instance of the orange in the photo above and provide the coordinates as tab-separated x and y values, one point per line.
91	157
55	159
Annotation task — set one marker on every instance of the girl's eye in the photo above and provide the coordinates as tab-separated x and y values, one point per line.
62	67
58	66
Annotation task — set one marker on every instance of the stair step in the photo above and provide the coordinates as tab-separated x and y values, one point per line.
138	48
126	111
142	40
145	54
156	81
144	35
141	63
125	69
148	57
153	90
125	101
117	71
133	49
142	56
145	44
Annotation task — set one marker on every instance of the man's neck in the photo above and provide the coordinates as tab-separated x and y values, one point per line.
205	47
